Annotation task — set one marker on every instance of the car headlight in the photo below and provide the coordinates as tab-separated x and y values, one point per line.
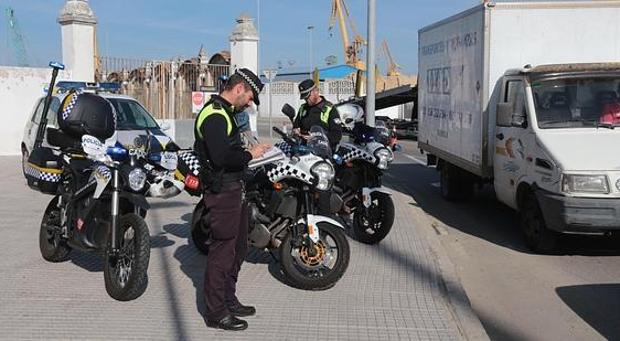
384	156
324	173
137	179
572	183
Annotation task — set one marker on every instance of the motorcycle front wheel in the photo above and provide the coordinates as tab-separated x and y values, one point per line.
318	270
371	225
125	272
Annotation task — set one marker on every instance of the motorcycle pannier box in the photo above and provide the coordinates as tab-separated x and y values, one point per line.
87	113
43	170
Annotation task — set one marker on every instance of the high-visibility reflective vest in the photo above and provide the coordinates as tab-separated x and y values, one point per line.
327	109
212	109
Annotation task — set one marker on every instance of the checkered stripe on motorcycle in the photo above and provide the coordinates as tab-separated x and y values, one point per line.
358	154
67	110
191	160
284	147
104	172
286	171
43	176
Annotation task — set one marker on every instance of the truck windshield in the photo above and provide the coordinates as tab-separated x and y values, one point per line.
577	102
130	115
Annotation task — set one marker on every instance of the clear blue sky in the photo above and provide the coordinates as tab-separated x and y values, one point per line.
162	29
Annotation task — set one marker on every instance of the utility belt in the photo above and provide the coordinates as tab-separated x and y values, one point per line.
216	181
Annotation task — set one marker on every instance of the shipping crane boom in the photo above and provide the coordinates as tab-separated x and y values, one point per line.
352	50
392	66
16	39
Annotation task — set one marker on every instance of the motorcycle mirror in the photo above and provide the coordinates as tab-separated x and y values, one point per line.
289	111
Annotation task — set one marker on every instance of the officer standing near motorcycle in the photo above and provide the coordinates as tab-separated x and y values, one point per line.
223	161
317	111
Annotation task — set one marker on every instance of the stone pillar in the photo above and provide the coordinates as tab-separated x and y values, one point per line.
244	54
78	22
244	45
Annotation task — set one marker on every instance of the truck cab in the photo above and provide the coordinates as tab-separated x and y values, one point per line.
554	158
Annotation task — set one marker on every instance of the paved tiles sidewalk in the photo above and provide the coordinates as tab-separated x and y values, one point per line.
391	291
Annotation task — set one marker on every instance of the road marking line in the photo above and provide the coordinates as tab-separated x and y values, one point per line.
435	184
415	159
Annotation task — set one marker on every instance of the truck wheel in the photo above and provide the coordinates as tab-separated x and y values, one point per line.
449	182
538	237
455	184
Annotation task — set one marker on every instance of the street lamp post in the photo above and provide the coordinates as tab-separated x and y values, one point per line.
310	29
370	65
270	74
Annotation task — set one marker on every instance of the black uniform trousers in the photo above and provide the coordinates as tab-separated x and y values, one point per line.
229	232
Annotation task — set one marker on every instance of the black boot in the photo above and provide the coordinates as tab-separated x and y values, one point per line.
241	310
228	322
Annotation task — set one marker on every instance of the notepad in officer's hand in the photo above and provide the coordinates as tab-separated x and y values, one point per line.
272	155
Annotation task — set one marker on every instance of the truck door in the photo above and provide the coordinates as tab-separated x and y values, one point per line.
509	161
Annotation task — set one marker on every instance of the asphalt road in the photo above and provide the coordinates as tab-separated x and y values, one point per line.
518	295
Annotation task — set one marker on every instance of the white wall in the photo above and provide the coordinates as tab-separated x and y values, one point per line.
78	51
290	94
19	89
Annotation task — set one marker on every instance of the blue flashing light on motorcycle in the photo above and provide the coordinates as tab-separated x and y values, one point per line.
57	65
117	153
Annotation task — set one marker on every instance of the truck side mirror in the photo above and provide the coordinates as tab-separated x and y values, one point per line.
504	114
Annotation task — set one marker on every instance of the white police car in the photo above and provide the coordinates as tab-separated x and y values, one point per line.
133	125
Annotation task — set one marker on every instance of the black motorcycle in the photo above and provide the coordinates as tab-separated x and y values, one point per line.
361	201
98	193
313	250
98	209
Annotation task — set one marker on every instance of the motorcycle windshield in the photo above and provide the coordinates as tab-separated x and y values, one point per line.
381	133
318	143
363	133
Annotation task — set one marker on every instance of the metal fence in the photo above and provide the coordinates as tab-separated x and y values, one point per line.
163	87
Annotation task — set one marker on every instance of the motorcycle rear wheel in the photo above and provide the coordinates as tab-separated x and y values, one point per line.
198	235
125	273
52	245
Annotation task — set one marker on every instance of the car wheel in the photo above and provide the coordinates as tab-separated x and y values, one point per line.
25	155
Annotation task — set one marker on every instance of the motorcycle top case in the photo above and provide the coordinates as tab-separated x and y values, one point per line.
43	170
188	171
85	113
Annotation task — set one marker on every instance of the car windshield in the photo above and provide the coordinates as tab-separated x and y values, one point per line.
130	115
577	102
318	143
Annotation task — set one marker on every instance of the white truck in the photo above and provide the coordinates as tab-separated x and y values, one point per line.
524	95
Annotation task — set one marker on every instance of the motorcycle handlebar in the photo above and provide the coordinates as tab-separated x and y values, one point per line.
284	136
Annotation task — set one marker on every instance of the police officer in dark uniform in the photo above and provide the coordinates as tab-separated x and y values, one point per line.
317	111
223	161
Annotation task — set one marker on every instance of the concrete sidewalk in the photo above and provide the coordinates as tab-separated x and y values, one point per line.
391	291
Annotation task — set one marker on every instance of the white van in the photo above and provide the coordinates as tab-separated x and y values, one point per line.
526	96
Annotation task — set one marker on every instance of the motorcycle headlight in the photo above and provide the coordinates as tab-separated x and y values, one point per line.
137	179
573	183
169	160
324	173
384	156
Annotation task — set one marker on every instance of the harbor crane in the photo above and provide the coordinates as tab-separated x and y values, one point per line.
352	48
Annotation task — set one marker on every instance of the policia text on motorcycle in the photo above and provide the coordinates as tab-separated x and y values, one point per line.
223	160
317	111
